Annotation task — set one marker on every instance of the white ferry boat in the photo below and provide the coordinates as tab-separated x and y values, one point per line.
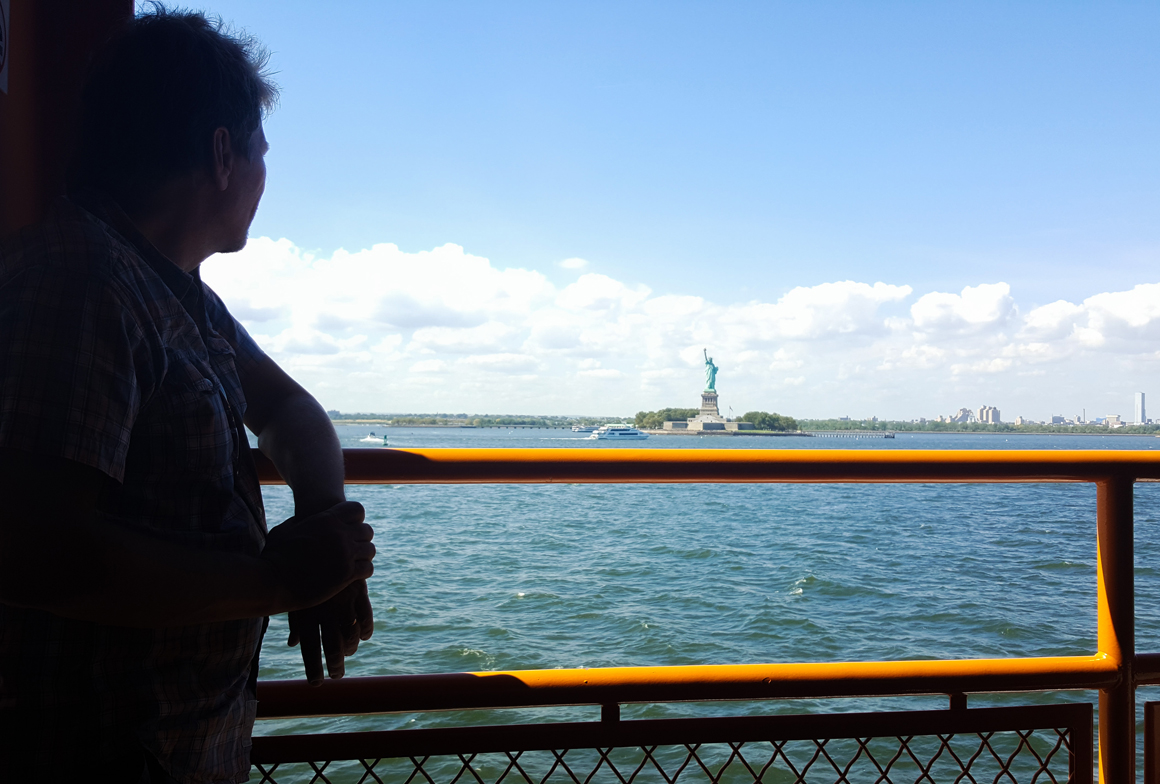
614	432
584	428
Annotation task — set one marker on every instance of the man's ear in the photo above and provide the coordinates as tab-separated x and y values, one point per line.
224	158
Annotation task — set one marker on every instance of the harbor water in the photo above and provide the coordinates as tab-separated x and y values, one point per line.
472	578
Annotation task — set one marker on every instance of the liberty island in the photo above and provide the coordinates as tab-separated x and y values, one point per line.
708	418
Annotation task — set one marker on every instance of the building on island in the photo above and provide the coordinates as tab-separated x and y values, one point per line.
988	415
1140	417
709	416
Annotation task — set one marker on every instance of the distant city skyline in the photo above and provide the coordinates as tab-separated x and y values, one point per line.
992	415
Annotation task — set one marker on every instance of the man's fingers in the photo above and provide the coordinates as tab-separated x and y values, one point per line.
311	651
349	618
363	611
332	644
347	512
350	639
292	620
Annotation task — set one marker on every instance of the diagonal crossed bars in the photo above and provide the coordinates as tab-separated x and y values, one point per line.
1024	745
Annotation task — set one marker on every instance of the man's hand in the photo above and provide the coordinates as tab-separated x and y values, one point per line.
295	433
316	557
339	623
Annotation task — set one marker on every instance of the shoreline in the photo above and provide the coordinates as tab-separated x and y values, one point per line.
1110	431
726	433
1020	433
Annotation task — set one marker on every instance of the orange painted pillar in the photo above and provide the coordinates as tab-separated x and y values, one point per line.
1117	628
48	45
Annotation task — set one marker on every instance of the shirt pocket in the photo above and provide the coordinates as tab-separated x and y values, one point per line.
189	426
223	360
189	386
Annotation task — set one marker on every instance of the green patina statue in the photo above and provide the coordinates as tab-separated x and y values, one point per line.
710	373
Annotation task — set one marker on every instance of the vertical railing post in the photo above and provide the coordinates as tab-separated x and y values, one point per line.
1117	628
1151	743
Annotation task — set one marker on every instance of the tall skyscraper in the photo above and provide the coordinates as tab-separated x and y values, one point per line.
1141	418
989	415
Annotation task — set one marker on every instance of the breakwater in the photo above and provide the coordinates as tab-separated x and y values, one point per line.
849	433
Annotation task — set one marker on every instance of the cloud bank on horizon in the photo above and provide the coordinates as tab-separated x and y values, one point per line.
442	330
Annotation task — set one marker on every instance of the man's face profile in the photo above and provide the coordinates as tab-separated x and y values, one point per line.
246	183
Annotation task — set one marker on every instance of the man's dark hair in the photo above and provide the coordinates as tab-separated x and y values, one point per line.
155	95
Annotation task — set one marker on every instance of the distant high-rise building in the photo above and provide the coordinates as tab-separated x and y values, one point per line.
989	415
1140	417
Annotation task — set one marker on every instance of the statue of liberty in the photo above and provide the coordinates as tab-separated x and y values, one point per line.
710	373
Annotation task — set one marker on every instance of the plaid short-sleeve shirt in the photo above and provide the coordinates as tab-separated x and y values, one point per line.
113	357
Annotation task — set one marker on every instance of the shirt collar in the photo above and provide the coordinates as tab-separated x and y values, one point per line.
185	286
109	211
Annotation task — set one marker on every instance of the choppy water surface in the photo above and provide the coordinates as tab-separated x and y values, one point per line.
513	577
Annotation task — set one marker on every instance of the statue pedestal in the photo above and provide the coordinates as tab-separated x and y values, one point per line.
708	418
709	410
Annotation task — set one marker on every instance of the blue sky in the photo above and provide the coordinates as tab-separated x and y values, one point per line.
733	152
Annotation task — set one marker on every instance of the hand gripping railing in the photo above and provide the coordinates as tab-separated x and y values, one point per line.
1115	668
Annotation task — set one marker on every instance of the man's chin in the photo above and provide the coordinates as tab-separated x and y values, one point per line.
235	246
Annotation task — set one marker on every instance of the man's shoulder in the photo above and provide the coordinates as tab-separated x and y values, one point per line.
68	241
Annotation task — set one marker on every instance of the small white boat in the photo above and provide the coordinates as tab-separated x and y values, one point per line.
584	428
614	432
373	439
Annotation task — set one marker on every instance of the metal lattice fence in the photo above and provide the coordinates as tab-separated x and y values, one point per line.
1006	753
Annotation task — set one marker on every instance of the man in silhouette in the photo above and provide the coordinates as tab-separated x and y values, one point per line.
136	570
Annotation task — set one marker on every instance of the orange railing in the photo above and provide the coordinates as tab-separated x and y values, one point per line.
1114	668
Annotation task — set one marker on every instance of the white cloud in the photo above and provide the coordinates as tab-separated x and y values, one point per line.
1054	321
784	360
600	293
429	366
976	309
574	263
491	336
446	330
1126	315
810	313
993	365
502	362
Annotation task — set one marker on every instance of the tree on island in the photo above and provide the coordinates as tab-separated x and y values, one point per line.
763	420
655	420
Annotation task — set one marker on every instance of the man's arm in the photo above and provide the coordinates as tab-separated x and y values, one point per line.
56	555
296	434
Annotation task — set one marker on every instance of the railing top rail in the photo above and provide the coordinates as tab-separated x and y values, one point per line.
525	688
619	465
